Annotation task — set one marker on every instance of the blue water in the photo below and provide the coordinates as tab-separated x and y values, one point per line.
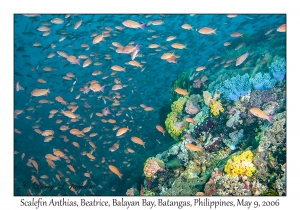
151	86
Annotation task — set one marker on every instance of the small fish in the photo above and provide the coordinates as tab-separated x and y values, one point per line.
160	129
122	131
207	30
236	34
191	120
187	26
282	28
193	147
181	91
17	86
138	141
261	114
115	171
241	59
134	24
200	68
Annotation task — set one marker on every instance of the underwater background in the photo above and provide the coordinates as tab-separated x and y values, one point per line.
203	98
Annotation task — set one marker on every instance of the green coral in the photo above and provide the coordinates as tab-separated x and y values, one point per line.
270	192
172	118
240	165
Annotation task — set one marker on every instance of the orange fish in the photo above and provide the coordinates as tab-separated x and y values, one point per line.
71	168
138	141
227	44
160	129
282	28
92	157
114	147
34	163
148	108
261	114
115	171
191	120
236	34
52	157
130	150
193	147
73	189
76	144
75	131
48	133
61	100
98	39
87	62
87	174
133	24
92	144
68	114
178	46
40	92
207	30
241	59
122	131
77	24
181	91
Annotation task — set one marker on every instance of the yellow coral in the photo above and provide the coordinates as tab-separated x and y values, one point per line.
216	107
171	128
240	165
177	107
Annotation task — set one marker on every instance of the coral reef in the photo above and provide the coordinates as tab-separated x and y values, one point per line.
262	81
240	165
233	119
235	139
233	186
274	135
210	186
178	151
131	192
257	98
153	165
192	106
278	69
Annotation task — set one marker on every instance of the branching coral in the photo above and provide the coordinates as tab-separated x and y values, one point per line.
262	81
234	87
240	165
278	69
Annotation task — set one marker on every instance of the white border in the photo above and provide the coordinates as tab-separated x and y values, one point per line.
8	8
